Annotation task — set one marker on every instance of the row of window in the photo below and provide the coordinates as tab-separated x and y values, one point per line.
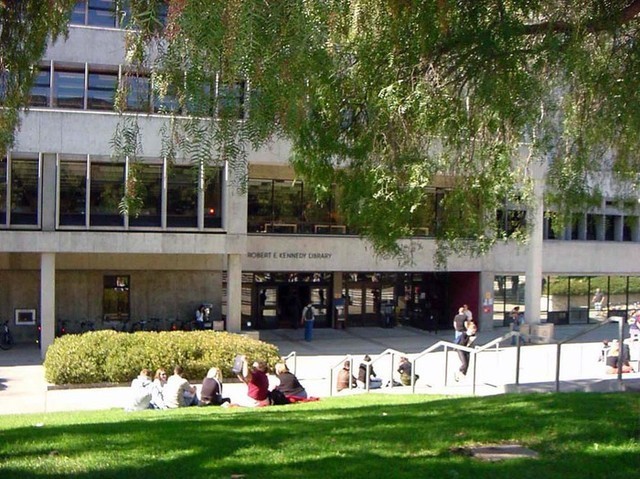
85	87
107	13
89	193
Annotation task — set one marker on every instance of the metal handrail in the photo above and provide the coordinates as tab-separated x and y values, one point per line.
433	347
611	319
294	355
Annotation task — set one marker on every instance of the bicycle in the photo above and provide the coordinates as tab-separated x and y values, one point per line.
6	340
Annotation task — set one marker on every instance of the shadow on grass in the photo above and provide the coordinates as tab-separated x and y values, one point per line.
577	435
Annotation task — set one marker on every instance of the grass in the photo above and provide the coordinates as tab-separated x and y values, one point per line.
577	435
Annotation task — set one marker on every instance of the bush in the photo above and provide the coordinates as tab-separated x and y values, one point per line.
114	357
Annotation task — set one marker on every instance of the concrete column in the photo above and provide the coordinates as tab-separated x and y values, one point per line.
337	293
48	192
47	299
485	308
533	274
234	292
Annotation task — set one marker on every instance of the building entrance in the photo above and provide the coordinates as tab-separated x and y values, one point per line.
277	300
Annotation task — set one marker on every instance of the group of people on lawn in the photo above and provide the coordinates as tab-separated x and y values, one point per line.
176	391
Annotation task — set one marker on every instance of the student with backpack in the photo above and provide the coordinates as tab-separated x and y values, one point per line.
308	318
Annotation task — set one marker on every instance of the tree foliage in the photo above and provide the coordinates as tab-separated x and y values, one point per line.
386	97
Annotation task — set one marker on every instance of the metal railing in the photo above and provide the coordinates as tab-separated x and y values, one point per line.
447	346
612	319
293	355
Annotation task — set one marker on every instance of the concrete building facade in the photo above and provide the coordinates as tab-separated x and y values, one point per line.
67	254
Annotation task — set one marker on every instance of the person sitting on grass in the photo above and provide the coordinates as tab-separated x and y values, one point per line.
140	392
257	384
404	368
289	384
366	370
178	392
157	389
211	391
614	356
345	378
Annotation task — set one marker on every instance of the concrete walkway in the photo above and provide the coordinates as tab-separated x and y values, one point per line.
23	388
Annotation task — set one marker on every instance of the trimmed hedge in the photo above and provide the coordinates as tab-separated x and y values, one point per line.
115	357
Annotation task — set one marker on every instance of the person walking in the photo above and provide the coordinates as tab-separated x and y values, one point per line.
458	324
308	319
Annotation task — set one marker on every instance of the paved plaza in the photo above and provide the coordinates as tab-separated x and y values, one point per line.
23	388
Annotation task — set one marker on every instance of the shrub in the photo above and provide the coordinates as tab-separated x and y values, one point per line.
114	357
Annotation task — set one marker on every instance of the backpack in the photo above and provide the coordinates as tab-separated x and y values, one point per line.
308	313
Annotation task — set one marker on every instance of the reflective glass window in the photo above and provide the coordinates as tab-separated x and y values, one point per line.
102	13
24	191
73	189
231	100
107	190
69	89
182	197
213	200
101	90
40	91
3	191
287	201
78	13
149	189
115	298
259	204
138	93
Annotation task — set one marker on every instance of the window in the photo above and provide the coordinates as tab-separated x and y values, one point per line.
24	191
69	89
73	189
510	221
213	200
3	191
107	190
115	298
101	90
425	216
231	100
40	90
138	93
78	14
149	189
182	197
259	204
4	86
102	13
287	201
166	104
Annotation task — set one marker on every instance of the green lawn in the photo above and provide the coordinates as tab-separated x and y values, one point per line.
364	436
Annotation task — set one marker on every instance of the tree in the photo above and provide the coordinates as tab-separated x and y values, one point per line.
25	28
385	98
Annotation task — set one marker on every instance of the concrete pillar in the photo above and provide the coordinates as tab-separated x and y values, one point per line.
47	299
533	274
48	217
337	293
234	293
485	308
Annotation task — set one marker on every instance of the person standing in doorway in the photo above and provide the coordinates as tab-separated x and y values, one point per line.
308	318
